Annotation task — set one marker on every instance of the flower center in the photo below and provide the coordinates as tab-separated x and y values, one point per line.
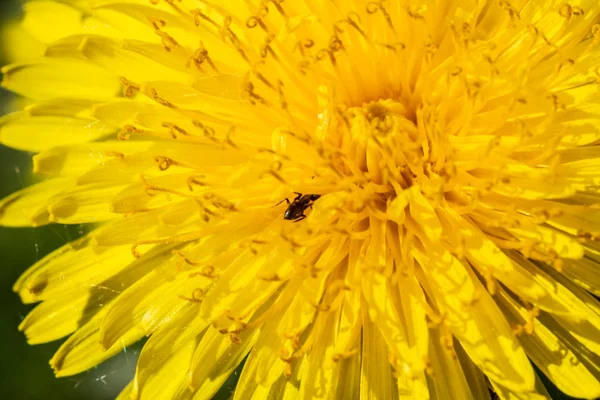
383	143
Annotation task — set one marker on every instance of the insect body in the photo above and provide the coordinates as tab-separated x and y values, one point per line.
296	208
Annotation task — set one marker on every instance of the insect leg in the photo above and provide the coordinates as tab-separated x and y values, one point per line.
300	218
286	199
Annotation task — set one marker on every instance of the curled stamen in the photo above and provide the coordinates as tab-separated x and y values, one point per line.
160	100
198	14
415	13
274	172
254	21
250	245
282	101
277	4
227	33
199	57
208	271
116	154
375	6
266	47
557	104
393	46
174	129
194	180
335	44
567	11
252	96
166	40
157	23
257	20
129	88
126	132
513	13
163	162
228	139
326	52
207	131
303	45
260	76
197	296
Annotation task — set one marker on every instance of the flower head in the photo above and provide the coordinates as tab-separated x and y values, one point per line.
441	170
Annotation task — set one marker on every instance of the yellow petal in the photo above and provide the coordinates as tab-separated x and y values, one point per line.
551	240
109	55
120	112
28	207
173	343
64	107
83	349
150	301
38	133
477	381
215	358
76	160
20	44
585	272
557	287
131	18
71	267
586	328
238	278
476	321
83	204
321	378
535	189
140	197
531	284
550	355
539	393
450	381
400	320
61	79
65	20
301	311
376	380
412	385
349	376
57	317
347	329
169	381
151	225
264	366
422	211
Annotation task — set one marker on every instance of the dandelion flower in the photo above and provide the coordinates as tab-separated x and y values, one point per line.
440	163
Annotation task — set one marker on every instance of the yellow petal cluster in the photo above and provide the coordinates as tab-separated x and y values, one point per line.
451	148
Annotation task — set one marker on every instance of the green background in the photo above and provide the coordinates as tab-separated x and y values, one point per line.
24	369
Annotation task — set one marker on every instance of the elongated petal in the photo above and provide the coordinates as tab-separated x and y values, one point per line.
83	349
38	133
62	79
546	350
173	343
477	322
376	379
215	359
28	207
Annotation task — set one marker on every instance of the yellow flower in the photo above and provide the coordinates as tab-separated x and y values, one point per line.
443	152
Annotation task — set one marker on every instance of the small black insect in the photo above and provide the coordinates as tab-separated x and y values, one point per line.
296	208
